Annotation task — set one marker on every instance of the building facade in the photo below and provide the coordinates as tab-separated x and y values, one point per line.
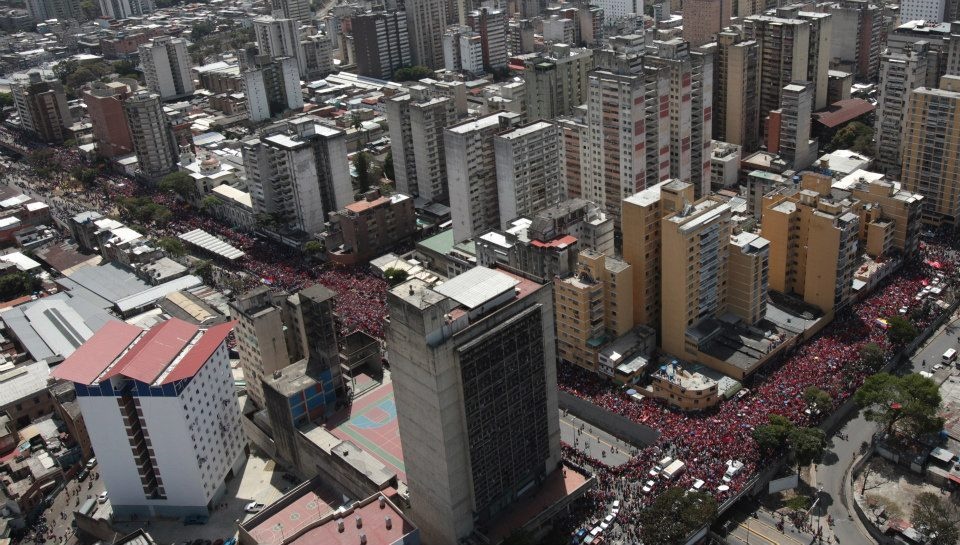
528	170
382	43
105	106
736	112
41	103
166	67
152	134
369	228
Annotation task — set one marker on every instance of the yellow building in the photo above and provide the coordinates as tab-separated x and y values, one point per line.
813	242
641	214
695	250
931	150
690	387
748	276
593	307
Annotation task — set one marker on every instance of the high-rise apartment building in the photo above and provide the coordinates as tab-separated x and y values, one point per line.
813	243
573	133
796	109
857	36
41	103
748	278
528	170
63	10
271	86
704	19
556	81
642	213
593	307
890	216
473	363
262	337
105	107
931	150
161	411
279	37
922	10
152	134
382	43
690	75
298	172
900	73
736	70
298	10
491	25
122	9
694	268
417	120
317	55
520	36
953	50
369	228
472	173
166	67
818	58
426	21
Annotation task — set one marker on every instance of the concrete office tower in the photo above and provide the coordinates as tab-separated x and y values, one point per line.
559	30
749	278
426	21
416	120
298	10
624	152
491	25
856	37
573	132
382	43
620	9
271	86
262	337
278	37
931	151
161	410
900	72
746	8
317	56
922	10
166	67
736	70
298	172
42	106
813	244
473	363
642	213
105	106
783	47
690	74
452	59
704	19
953	50
592	307
122	9
152	135
520	37
62	10
532	8
528	170
556	81
697	235
796	148
472	173
818	58
470	52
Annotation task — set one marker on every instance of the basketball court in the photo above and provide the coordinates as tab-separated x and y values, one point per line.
371	423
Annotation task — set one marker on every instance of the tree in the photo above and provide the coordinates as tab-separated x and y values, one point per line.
200	30
124	67
900	330
872	356
938	519
395	276
361	167
854	136
179	183
205	271
817	399
18	283
172	246
209	202
313	247
411	73
388	166
674	515
807	445
85	176
909	403
772	437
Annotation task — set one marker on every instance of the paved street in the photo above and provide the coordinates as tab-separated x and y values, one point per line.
593	441
762	529
60	514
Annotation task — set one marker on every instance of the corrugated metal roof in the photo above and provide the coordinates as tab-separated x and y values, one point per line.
203	239
476	286
95	355
200	352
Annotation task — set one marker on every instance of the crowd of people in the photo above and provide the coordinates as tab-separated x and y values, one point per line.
705	441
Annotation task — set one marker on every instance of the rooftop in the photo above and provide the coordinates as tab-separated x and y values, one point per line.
843	111
212	244
23	381
477	286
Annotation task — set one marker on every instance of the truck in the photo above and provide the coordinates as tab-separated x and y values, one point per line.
673	469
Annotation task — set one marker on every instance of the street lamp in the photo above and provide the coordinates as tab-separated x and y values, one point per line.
280	528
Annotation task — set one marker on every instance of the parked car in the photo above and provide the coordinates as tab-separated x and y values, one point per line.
82	476
254	507
91	463
102	498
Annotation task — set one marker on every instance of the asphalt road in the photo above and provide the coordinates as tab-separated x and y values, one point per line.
858	431
593	441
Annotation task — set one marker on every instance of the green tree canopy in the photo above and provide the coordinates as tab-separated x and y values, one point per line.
909	403
807	445
395	276
361	167
85	176
900	330
772	436
938	518
172	246
313	247
411	73
388	166
817	399
854	136
674	515
179	183
872	356
15	284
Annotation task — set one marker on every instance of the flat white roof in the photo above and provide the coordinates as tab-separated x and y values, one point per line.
476	286
203	239
22	262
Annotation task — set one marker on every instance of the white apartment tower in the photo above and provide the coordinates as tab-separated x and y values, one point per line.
298	10
417	120
161	410
900	73
426	21
166	67
152	135
272	86
472	173
529	174
922	10
278	37
122	9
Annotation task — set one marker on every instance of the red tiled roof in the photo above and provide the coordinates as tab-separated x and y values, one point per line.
843	111
561	242
360	206
200	352
155	350
93	356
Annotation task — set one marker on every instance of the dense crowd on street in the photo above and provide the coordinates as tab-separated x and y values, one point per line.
705	441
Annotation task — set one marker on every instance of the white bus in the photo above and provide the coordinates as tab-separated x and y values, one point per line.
949	356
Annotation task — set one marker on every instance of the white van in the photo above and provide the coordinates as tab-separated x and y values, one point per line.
949	356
